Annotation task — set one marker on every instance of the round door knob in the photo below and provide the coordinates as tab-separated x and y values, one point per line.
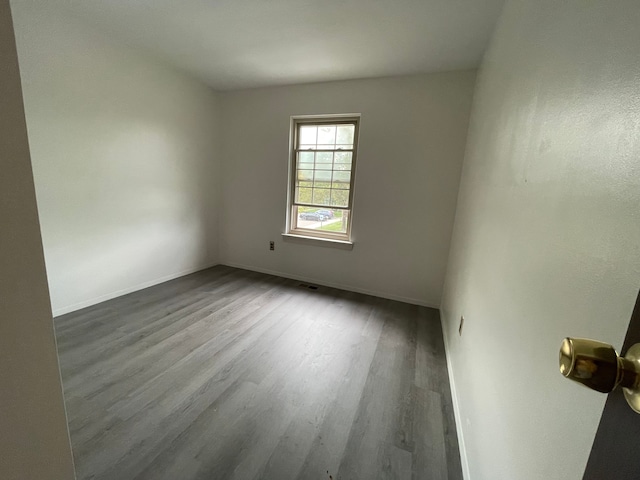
598	366
591	363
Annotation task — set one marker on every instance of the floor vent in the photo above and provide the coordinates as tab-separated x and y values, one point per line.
312	287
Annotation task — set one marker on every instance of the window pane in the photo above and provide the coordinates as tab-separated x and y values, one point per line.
322	196
327	135
305	175
340	198
345	135
321	219
322	179
307	217
304	195
341	179
304	184
336	224
305	160
342	161
310	146
324	161
308	135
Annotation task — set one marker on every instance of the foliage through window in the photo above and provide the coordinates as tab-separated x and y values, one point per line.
322	168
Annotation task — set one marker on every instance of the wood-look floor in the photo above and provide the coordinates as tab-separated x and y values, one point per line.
231	374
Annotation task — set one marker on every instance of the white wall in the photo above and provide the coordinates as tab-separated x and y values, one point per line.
125	159
34	443
547	234
412	138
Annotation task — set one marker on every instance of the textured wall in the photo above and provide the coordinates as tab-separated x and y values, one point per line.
547	234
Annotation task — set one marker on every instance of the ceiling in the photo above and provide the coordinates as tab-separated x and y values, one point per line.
234	44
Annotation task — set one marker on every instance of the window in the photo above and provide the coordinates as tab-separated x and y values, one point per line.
322	168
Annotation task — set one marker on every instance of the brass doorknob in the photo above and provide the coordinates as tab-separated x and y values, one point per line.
598	366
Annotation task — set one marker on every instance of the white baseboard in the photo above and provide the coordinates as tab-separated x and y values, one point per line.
456	406
108	296
349	288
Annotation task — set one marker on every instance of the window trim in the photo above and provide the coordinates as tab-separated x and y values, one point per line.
332	119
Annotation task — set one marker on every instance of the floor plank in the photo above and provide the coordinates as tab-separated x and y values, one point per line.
232	374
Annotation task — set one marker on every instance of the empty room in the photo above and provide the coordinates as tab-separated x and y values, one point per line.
294	239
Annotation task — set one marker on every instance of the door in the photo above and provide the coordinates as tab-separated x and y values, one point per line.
615	453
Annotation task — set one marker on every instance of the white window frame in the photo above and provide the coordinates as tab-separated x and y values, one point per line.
292	230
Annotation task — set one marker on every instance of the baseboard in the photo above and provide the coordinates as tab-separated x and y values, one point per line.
456	406
118	293
349	288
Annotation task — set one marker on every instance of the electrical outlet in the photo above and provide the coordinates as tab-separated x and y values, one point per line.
272	245
461	325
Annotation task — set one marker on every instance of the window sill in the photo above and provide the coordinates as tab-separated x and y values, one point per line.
319	242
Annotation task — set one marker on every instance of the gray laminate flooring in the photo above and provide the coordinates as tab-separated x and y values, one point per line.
231	374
